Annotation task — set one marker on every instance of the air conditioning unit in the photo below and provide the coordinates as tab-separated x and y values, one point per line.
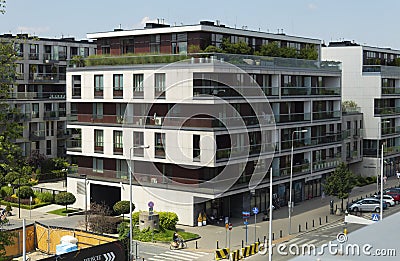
158	121
153	180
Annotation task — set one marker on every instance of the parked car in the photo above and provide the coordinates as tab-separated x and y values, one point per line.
367	204
386	198
395	193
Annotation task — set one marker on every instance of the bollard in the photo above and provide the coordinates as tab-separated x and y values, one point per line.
299	228
258	240
196	245
280	233
326	218
313	223
273	236
265	238
217	245
320	221
242	244
306	226
336	208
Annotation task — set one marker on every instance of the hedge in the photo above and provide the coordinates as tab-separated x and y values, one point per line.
4	202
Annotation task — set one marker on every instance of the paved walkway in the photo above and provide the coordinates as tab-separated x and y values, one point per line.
306	211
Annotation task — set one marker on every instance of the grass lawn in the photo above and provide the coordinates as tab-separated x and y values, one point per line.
62	211
161	236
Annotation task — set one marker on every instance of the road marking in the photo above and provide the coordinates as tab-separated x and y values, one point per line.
178	255
175	256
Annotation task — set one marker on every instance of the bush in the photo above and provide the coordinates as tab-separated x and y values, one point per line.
23	201
135	217
44	197
25	192
6	191
65	199
8	207
122	207
168	220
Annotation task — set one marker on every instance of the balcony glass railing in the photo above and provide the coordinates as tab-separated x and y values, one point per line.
297	169
390	90
306	91
37	95
47	115
74	145
387	111
325	115
329	163
46	77
390	130
243	151
37	135
292	117
313	141
351	110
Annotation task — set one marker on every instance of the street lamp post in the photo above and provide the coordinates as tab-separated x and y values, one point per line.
86	219
381	199
377	154
290	204
131	169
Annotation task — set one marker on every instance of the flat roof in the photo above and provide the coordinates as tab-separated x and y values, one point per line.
204	28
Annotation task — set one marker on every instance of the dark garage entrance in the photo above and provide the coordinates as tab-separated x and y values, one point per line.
105	194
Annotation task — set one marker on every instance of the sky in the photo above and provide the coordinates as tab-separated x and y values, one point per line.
373	23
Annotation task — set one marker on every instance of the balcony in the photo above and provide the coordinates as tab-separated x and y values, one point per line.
33	56
390	131
326	115
51	115
74	145
390	91
297	169
292	117
391	150
37	135
90	118
387	111
50	57
243	151
329	163
37	95
307	91
19	117
44	77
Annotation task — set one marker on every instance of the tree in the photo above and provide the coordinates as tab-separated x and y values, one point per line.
100	219
271	49
240	47
309	52
65	199
2	6
122	208
340	183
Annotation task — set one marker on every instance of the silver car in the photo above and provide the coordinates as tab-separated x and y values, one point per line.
386	198
367	204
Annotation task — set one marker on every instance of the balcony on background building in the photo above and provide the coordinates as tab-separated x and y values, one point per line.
51	115
44	77
387	110
37	95
310	91
326	115
292	117
74	145
37	135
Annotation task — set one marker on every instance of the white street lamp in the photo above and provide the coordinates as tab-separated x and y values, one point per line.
290	204
377	153
131	169
381	199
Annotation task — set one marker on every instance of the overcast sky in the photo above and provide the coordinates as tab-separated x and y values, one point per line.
374	23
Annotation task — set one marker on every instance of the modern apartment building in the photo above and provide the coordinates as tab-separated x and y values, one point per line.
371	79
201	134
39	90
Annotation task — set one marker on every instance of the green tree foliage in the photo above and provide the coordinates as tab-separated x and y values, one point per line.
240	47
309	52
213	49
168	220
2	6
122	207
25	192
340	183
65	199
271	49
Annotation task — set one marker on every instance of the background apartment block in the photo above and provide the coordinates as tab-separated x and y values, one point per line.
40	88
125	105
371	78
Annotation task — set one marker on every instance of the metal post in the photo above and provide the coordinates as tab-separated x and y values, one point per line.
270	218
246	232
19	195
86	217
255	228
381	201
290	204
23	240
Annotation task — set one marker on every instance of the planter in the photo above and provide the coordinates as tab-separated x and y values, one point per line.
199	223
204	222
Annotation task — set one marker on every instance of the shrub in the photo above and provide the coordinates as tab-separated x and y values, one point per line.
168	220
23	201
122	207
8	207
6	191
135	217
44	197
25	192
65	199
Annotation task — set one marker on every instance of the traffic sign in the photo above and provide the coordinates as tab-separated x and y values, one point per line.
230	226
150	204
246	214
246	222
375	217
255	210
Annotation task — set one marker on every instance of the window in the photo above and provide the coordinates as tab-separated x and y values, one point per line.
48	147
121	169
98	141
138	85
62	53
179	43
76	86
19	48
196	147
159	85
34	52
159	145
97	165
19	71
118	148
155	43
118	82
138	140
97	111
35	110
98	82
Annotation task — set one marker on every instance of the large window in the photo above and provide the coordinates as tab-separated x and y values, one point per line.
138	140
34	52
98	82
155	43
118	82
179	43
98	141
159	145
97	110
196	147
118	146
121	169
98	165
159	85
138	85
76	86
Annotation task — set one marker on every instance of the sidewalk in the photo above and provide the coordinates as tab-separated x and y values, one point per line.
303	212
